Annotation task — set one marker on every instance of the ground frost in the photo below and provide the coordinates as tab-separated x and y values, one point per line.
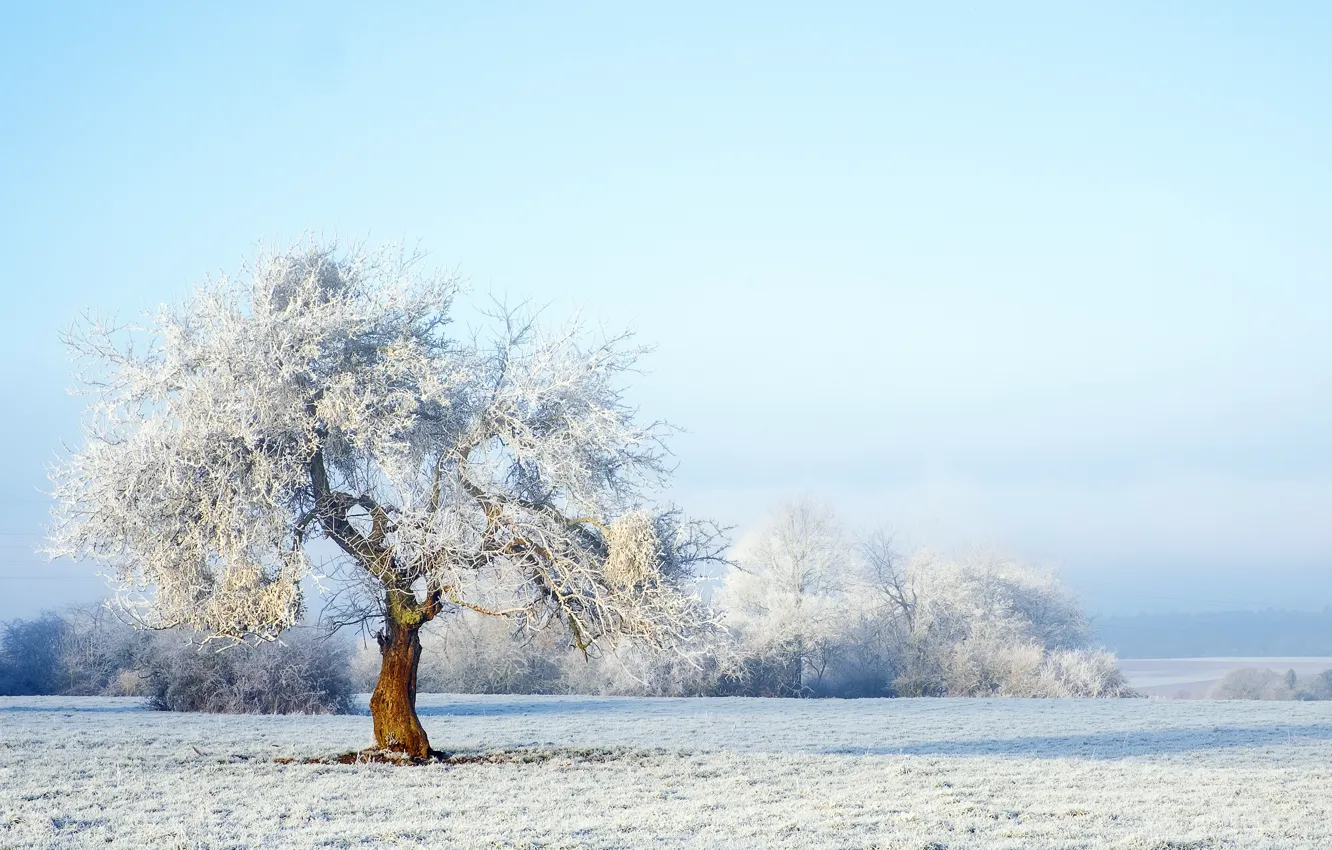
557	772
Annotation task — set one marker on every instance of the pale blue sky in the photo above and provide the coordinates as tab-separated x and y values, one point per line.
1053	280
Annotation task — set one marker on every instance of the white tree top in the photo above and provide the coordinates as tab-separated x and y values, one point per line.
320	395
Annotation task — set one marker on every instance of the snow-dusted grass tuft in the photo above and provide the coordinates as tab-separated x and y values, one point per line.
563	772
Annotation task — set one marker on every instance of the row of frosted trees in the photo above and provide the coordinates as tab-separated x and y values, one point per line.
810	609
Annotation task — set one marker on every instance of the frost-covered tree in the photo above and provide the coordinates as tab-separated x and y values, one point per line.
785	594
976	626
320	395
814	614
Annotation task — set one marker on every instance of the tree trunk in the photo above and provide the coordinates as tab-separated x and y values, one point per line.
393	704
797	669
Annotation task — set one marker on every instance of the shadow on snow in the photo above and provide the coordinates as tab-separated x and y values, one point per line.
1108	745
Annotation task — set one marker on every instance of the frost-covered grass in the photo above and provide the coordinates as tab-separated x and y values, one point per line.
98	772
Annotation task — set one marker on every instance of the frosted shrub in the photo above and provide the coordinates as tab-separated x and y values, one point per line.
79	651
87	650
128	683
30	656
1317	687
981	666
869	655
1087	673
1252	683
302	675
102	654
1026	674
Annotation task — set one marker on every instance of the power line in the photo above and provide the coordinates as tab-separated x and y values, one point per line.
49	578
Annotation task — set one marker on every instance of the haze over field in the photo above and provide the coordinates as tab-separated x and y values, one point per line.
1055	281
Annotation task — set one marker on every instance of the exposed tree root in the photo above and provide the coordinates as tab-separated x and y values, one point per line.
374	755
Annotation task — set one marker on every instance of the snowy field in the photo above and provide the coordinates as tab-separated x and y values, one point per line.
613	773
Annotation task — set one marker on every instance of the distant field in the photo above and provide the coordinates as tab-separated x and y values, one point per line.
636	773
1193	677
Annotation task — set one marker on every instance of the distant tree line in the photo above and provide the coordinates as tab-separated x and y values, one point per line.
1261	683
1269	633
809	609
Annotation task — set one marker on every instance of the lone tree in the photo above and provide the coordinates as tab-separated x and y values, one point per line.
320	396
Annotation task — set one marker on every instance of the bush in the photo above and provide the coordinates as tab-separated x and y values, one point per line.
301	674
1087	673
88	651
983	666
101	654
30	657
995	668
1252	683
1316	688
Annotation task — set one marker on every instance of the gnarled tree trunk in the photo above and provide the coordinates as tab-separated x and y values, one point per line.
393	704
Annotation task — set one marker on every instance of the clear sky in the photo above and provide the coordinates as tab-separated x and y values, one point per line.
1054	277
